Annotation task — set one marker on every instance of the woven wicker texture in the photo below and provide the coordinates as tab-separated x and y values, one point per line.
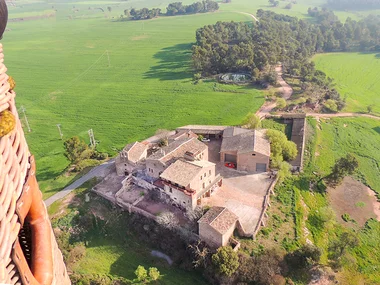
14	166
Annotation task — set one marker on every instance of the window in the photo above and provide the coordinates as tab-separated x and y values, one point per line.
204	185
253	154
204	174
201	177
209	182
125	164
209	172
171	190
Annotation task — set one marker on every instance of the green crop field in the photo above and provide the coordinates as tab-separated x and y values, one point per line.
82	68
359	136
356	76
63	77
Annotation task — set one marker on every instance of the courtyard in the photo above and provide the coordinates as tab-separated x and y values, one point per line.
242	193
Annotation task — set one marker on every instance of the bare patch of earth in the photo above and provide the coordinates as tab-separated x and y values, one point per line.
31	18
356	199
138	38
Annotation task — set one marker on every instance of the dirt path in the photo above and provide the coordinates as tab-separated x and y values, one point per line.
318	116
285	89
252	16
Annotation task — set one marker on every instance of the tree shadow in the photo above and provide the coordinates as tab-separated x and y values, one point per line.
174	63
377	129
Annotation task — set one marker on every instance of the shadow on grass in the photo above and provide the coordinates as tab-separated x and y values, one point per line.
174	63
377	129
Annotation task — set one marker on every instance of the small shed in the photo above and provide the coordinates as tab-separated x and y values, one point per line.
217	226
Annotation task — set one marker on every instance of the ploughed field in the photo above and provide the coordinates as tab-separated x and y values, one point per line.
356	76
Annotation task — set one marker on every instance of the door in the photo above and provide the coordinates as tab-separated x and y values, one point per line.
230	158
261	167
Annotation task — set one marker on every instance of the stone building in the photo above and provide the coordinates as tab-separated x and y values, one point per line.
186	182
248	150
189	148
129	157
217	226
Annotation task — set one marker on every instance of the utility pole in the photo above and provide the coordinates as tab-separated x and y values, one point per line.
26	119
108	56
92	138
59	129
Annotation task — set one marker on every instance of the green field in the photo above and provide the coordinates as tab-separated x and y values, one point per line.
359	136
85	69
356	76
62	74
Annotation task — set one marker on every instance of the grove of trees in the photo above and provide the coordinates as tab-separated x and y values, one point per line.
173	9
255	48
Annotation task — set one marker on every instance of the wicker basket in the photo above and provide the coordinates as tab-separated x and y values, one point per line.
28	250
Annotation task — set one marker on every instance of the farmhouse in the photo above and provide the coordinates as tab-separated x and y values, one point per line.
128	158
217	226
248	150
186	182
189	147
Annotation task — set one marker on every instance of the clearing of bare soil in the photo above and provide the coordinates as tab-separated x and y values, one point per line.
356	199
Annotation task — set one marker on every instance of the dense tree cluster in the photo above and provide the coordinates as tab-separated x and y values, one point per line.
144	13
241	47
255	48
354	4
178	8
173	9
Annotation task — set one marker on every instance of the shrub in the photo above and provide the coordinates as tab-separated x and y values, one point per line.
281	103
154	274
289	6
141	273
330	105
85	163
226	261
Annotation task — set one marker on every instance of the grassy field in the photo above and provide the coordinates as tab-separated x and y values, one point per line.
356	76
63	77
85	69
359	136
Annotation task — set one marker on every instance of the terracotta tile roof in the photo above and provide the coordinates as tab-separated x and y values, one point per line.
178	149
134	151
220	218
181	172
242	141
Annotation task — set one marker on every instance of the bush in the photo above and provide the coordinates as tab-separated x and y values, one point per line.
85	163
141	273
289	6
281	103
154	274
303	257
226	261
330	106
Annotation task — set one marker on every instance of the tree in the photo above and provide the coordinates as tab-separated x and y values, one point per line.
268	266
252	121
154	274
345	240
281	148
141	273
168	220
369	109
284	171
331	105
343	166
280	103
109	9
303	257
76	149
126	13
226	261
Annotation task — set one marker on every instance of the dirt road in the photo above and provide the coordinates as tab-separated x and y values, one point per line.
285	89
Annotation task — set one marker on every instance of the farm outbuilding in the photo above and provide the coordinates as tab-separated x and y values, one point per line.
248	150
217	226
